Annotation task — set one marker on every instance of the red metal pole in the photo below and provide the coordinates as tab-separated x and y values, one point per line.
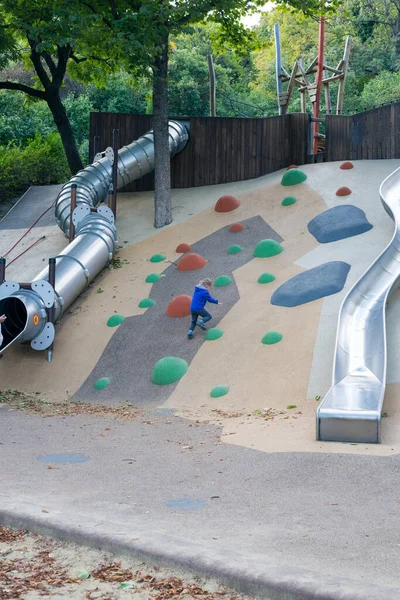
318	80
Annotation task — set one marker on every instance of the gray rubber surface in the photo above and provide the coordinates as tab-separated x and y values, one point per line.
315	283
339	222
140	341
290	524
30	206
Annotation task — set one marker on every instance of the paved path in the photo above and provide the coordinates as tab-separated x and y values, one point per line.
278	522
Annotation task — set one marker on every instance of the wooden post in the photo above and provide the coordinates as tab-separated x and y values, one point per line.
115	171
346	56
328	103
72	208
2	270
211	72
318	81
303	96
51	311
278	68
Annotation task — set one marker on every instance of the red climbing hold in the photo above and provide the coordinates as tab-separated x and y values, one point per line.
343	191
191	262
347	165
292	167
179	306
226	204
236	227
182	248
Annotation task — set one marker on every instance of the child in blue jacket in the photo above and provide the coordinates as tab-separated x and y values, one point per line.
201	296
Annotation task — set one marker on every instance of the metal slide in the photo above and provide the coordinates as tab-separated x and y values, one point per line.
94	244
351	410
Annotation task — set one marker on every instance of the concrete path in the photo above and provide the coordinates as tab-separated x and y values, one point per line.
282	525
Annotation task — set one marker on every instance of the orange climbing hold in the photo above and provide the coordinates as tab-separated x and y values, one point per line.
292	167
347	165
182	248
236	227
191	262
226	204
179	306
343	191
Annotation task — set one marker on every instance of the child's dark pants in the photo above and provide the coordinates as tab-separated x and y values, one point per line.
199	313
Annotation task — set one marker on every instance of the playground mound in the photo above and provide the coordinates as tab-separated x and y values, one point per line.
264	364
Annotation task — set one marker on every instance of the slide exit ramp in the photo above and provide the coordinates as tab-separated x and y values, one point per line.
351	410
93	247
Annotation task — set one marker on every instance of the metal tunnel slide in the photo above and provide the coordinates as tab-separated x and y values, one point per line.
351	410
94	244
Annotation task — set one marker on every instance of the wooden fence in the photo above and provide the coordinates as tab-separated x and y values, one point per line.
370	134
220	149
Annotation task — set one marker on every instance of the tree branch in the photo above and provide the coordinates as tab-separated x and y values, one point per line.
37	63
50	62
11	85
90	57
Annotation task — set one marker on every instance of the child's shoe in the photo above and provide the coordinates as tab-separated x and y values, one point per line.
201	325
190	335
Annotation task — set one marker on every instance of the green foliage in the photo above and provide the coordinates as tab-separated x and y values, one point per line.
40	162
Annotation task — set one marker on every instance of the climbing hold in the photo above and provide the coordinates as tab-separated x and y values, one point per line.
226	204
266	278
235	249
214	333
179	306
236	227
182	248
272	337
152	278
102	383
346	165
288	200
267	248
191	262
146	303
222	280
343	191
324	280
291	167
157	258
219	390
293	177
115	320
168	370
338	223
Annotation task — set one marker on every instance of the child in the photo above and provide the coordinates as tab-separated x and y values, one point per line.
201	296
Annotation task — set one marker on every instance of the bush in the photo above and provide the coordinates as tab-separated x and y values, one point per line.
40	162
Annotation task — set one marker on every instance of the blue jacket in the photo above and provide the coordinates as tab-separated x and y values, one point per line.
201	296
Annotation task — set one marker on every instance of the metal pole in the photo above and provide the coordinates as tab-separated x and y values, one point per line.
278	67
115	171
2	270
211	71
318	81
52	310
71	210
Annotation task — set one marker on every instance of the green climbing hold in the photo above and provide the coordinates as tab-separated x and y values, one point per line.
267	248
214	333
115	320
222	280
235	249
168	370
152	278
157	258
102	383
146	303
266	278
288	201
293	177
219	390
272	337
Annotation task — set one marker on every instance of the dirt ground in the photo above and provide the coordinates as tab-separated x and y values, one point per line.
33	567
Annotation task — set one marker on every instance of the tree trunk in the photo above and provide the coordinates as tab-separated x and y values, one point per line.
162	171
64	128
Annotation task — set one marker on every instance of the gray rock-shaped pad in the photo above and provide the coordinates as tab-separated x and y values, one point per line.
339	222
315	283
